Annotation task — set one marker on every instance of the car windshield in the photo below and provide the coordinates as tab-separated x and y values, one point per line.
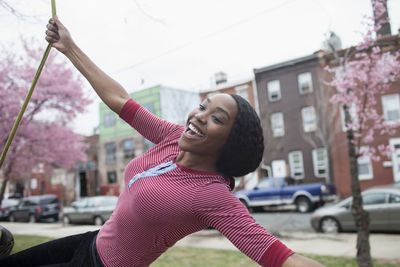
9	202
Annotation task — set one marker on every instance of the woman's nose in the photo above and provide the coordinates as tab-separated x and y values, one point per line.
200	116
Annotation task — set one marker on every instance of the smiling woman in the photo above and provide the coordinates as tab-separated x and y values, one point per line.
178	187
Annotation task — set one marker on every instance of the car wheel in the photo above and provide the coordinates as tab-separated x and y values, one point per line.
56	218
303	204
329	225
11	218
98	221
66	220
32	218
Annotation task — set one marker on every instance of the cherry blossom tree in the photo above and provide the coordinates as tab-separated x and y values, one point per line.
363	75
43	135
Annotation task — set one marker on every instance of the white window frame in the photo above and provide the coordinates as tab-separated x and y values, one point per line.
365	160
296	167
320	164
277	131
303	78
309	119
391	103
274	87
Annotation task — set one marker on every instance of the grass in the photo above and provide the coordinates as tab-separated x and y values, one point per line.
199	257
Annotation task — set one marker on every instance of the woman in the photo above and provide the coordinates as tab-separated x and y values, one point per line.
181	186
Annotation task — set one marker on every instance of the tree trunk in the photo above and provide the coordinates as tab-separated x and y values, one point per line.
361	217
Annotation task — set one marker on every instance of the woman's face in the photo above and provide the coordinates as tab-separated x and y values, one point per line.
208	126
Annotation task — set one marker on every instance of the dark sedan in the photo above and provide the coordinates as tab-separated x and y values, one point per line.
382	203
36	208
7	206
92	210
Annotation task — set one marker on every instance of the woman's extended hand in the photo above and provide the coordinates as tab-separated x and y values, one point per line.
58	35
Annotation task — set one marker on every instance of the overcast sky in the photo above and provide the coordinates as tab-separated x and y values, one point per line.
182	43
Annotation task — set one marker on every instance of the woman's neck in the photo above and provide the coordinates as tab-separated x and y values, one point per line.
196	162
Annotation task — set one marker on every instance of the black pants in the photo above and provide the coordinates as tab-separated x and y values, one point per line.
76	250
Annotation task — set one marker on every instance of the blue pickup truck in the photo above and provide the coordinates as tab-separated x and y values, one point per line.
272	191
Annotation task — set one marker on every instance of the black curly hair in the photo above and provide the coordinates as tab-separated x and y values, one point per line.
244	148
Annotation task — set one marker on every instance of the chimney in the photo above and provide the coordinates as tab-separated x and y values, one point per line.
220	77
385	28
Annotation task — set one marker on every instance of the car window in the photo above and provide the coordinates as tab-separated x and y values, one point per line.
375	198
109	201
264	184
49	200
394	198
28	202
9	202
80	204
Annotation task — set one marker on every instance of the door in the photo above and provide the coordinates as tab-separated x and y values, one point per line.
394	212
279	168
395	144
376	204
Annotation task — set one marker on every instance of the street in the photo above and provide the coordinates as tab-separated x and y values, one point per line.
284	221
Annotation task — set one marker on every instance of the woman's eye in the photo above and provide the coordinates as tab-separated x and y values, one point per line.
201	107
217	120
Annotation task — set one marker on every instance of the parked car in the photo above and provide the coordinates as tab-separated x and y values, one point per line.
93	210
271	191
8	205
36	208
382	203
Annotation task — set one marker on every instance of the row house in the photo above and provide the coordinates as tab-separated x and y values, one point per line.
246	89
291	104
304	133
371	173
119	142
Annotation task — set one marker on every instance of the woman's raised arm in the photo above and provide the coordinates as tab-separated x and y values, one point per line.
110	91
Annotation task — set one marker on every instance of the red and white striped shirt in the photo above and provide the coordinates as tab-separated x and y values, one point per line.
162	202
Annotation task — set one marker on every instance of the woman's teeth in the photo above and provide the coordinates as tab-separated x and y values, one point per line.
192	128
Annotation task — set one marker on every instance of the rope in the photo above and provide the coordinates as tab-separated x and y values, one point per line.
28	97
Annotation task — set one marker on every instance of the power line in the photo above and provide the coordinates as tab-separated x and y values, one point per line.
206	36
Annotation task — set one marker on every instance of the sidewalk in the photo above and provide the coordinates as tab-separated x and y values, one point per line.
383	246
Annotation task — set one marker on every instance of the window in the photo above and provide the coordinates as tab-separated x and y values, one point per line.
265	184
296	164
365	167
111	150
391	108
109	119
394	198
277	124
320	162
129	148
243	91
353	115
304	81
274	90
112	177
309	119
373	199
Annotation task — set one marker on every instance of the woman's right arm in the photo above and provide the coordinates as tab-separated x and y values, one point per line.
110	91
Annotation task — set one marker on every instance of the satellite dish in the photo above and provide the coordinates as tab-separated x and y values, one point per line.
332	43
